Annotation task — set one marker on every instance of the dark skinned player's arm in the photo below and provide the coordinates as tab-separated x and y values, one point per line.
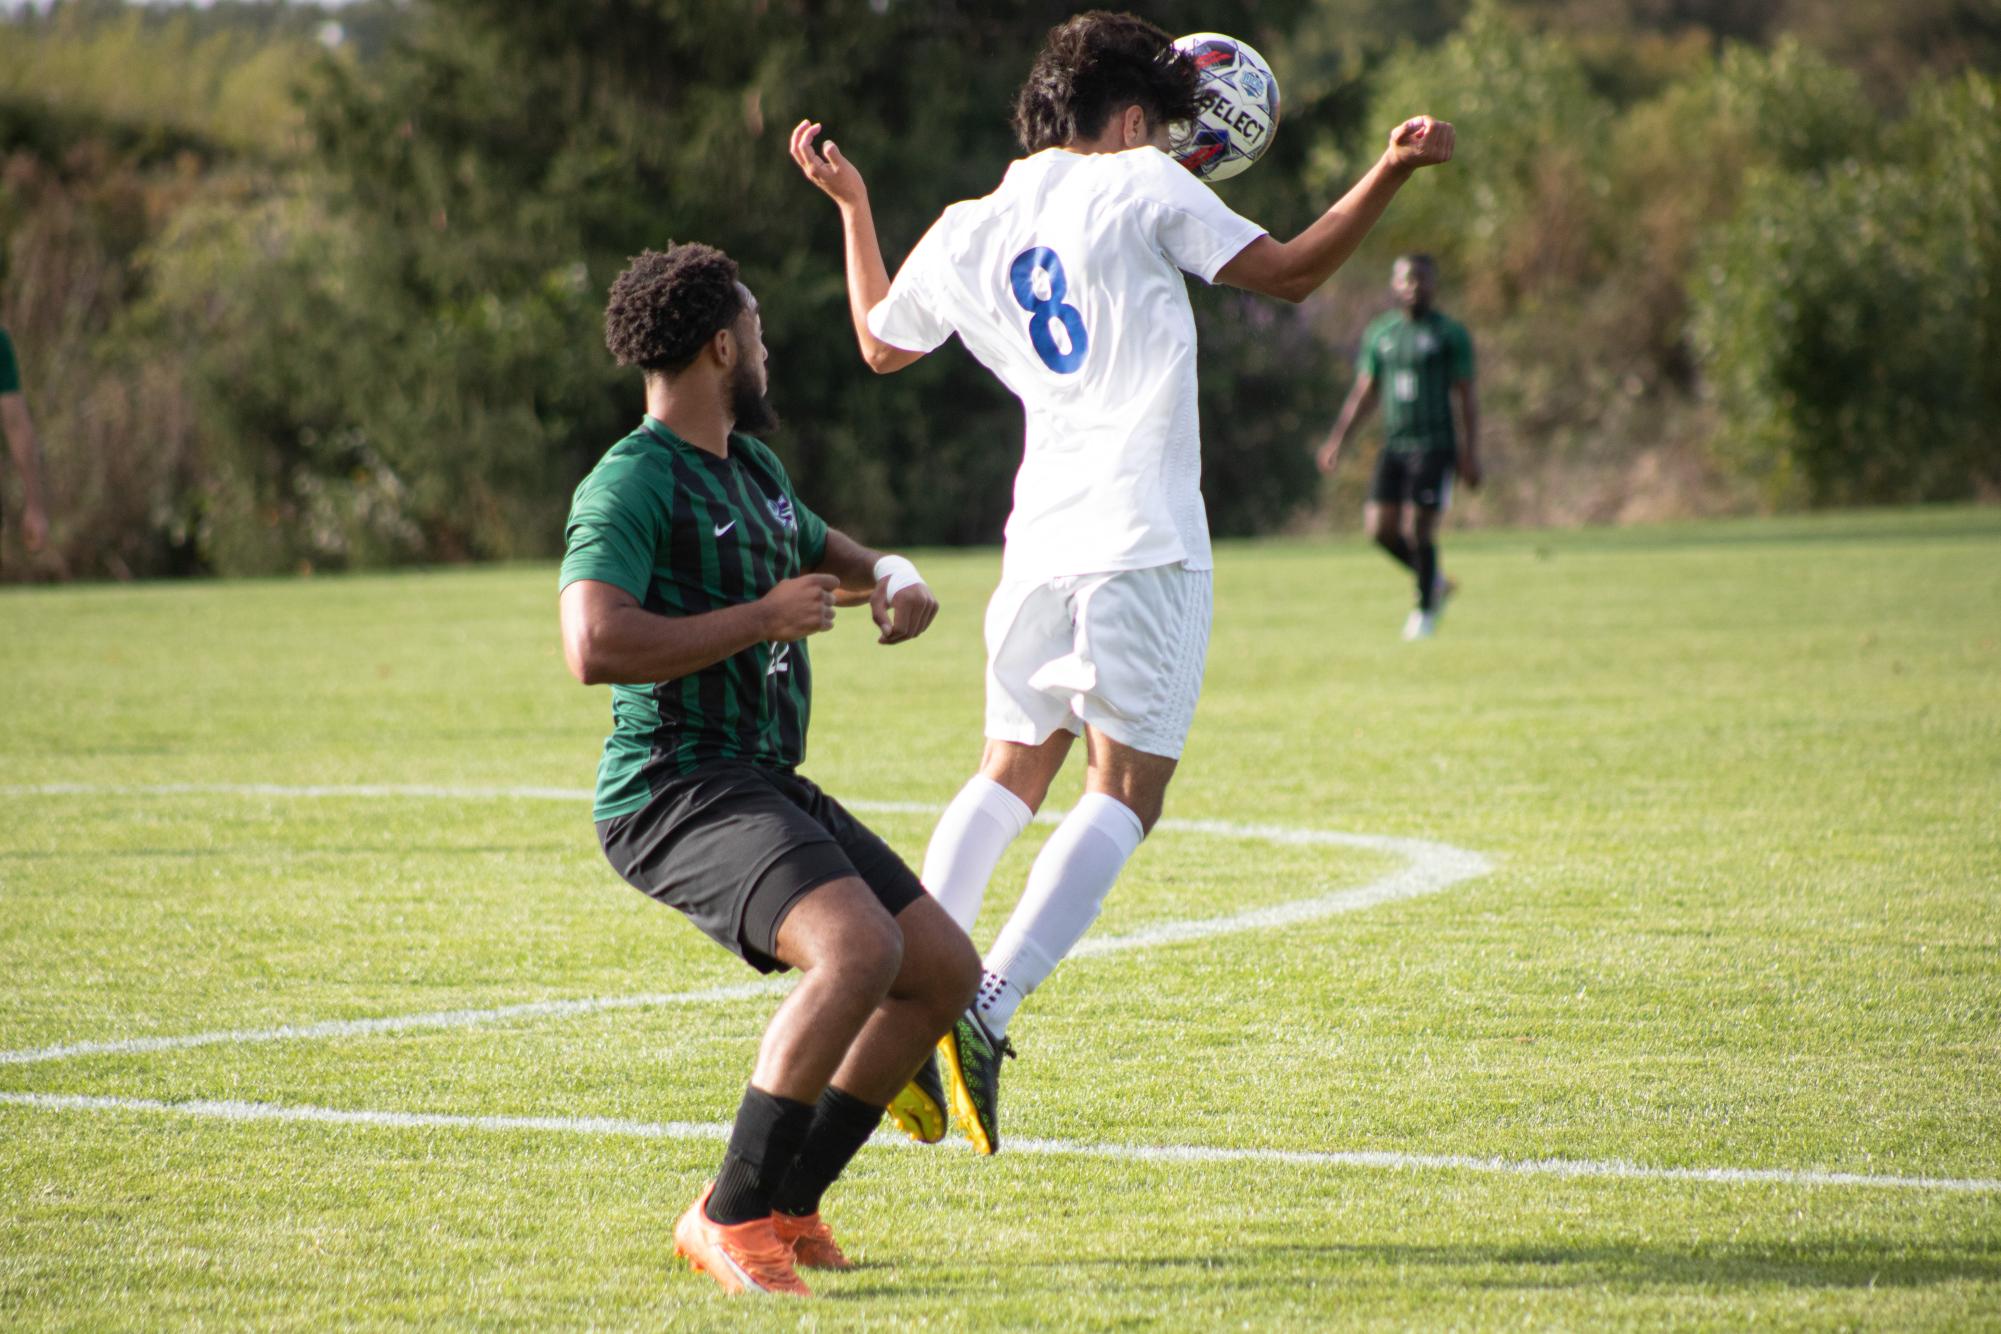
1469	418
609	639
903	617
1360	401
1361	398
852	563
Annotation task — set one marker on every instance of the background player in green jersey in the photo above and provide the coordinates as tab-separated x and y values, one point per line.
692	576
19	428
1418	361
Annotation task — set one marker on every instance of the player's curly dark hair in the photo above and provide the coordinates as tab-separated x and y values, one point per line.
668	304
1093	65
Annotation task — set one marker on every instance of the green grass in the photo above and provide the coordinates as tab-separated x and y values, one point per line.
1739	782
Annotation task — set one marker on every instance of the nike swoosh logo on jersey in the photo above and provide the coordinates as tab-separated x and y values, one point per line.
724	528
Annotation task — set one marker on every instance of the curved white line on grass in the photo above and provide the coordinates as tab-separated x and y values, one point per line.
1379	1160
1430	867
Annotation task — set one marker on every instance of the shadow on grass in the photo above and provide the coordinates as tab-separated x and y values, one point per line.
1854	1263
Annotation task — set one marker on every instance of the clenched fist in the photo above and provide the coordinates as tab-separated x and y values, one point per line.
799	607
905	616
1421	142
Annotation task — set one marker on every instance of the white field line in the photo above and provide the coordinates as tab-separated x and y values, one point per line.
358	790
1430	868
1379	1160
347	1028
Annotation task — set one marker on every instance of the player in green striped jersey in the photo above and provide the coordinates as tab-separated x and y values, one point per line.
692	577
1425	361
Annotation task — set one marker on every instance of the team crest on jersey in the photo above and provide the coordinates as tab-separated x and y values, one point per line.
781	510
1426	344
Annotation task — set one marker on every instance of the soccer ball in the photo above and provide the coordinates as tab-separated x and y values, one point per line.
1236	103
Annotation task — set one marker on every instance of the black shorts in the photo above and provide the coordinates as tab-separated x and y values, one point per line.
1414	477
736	845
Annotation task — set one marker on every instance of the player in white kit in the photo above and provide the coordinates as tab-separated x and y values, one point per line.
1067	283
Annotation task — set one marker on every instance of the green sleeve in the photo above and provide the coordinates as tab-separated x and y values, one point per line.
613	535
1366	361
812	533
1462	354
10	369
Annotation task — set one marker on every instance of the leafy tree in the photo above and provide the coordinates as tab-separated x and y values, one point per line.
493	172
1516	213
356	322
1782	108
1848	317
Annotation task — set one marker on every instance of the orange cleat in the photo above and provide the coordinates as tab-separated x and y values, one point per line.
743	1257
812	1241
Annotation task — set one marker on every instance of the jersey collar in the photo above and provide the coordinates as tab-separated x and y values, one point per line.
664	434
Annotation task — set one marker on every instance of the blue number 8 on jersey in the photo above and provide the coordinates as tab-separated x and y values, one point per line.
1044	311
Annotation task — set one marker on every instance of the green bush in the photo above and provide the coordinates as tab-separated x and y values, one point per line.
1848	319
1519	214
283	307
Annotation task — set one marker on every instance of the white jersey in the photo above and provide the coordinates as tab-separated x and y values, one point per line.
1066	282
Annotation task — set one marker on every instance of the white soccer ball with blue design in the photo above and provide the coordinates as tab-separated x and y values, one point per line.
1236	114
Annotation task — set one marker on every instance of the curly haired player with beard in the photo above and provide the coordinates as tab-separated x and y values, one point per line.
692	577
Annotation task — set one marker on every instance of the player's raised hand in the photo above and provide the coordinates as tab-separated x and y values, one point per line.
905	616
824	165
799	607
1421	142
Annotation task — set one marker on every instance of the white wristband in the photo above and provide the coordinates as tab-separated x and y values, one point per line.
900	573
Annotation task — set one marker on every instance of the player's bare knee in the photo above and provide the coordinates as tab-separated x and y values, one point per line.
871	955
839	931
941	969
1146	808
1022	770
1027	789
958	976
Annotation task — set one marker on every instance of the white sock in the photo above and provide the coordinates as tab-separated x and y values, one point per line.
1066	888
996	1001
967	844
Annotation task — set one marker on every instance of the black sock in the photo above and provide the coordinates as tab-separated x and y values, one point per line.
1398	549
1426	566
842	1123
766	1138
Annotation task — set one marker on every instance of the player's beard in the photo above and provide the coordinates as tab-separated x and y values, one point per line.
748	404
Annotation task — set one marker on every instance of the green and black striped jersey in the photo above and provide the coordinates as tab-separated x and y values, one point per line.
686	532
1415	363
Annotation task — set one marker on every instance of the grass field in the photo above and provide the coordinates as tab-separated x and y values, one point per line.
1737	784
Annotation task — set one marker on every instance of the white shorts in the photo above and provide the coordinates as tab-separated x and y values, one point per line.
1122	652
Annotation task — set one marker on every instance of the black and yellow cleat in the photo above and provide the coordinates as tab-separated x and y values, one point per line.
972	1067
919	1111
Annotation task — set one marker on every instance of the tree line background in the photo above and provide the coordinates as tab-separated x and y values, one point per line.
300	287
